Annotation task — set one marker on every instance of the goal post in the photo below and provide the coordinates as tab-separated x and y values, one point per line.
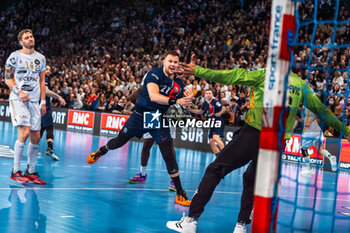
266	184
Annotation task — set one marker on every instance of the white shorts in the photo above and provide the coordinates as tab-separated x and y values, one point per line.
25	114
172	134
309	139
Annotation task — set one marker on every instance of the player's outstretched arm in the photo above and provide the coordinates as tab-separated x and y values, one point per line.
55	96
323	112
195	111
222	111
134	95
227	77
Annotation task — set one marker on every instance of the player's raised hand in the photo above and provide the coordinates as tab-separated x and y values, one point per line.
43	109
185	101
188	92
188	69
62	101
23	96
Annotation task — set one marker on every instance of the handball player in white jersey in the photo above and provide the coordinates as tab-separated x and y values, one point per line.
313	136
24	75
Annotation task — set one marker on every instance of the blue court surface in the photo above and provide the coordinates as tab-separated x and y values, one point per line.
97	198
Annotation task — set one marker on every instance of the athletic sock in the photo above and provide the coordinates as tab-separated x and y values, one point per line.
103	150
32	153
308	163
325	153
177	184
143	170
50	145
19	147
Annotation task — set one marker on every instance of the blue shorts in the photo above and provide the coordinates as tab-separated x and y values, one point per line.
134	128
217	131
47	120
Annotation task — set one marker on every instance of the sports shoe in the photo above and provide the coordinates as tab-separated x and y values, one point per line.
50	153
34	177
182	199
139	178
333	161
186	224
240	228
18	177
94	156
172	186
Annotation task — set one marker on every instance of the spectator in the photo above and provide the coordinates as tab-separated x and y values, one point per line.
102	103
77	103
119	107
128	108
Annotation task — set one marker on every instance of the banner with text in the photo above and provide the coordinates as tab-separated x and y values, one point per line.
111	124
5	111
81	121
292	152
344	161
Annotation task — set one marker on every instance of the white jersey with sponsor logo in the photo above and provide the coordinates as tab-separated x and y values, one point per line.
314	127
27	69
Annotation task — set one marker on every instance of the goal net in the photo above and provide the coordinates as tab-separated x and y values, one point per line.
311	39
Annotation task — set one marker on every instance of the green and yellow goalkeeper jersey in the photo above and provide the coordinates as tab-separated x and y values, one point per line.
298	90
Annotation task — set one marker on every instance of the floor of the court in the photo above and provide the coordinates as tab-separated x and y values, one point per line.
83	198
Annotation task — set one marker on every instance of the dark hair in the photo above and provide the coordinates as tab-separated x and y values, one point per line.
172	52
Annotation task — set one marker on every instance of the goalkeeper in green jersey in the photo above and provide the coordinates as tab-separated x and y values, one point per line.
244	146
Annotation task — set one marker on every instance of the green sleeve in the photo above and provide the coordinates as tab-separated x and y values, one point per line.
234	76
316	106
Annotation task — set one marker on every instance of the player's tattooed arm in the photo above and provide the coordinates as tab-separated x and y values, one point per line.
9	72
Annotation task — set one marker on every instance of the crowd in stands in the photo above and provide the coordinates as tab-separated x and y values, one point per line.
99	50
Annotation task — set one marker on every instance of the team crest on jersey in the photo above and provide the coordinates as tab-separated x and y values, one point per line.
176	89
125	130
13	61
37	62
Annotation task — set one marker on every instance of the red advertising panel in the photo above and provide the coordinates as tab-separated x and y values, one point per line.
345	155
81	121
111	124
292	151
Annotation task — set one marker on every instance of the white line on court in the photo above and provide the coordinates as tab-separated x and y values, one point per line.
162	190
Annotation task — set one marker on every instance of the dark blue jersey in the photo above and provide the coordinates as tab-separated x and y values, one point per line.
48	99
167	87
47	120
210	109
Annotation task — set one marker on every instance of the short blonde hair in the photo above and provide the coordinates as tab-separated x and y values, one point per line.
20	34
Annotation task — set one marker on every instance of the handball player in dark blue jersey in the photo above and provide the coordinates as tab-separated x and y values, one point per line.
46	120
162	88
212	108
